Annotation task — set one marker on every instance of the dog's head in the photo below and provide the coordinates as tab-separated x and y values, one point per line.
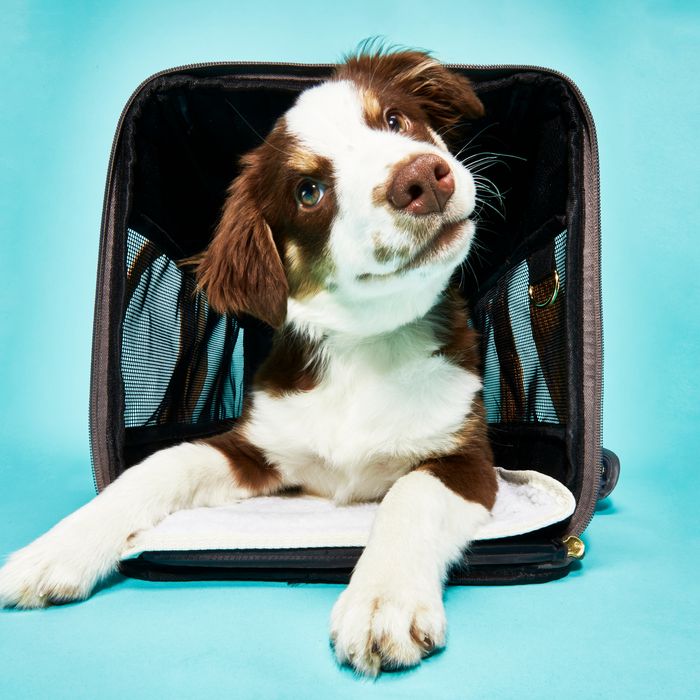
352	214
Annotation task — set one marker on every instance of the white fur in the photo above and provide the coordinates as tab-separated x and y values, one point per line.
421	527
70	559
383	404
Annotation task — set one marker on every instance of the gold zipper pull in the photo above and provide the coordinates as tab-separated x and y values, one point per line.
575	548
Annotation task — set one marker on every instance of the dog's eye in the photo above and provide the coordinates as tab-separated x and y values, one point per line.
396	121
309	192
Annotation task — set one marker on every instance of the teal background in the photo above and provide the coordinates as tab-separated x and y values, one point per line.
624	625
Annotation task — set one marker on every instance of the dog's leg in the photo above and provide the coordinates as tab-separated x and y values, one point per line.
70	559
391	614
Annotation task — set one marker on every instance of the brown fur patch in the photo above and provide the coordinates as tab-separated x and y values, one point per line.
372	108
468	470
431	247
384	254
306	274
292	365
310	229
304	162
376	108
301	234
415	84
242	270
458	340
248	464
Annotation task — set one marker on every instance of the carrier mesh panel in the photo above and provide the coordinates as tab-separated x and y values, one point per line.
524	348
181	362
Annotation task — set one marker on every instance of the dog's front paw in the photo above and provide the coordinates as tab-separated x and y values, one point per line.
50	570
374	627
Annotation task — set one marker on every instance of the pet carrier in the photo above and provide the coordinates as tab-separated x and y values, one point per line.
166	368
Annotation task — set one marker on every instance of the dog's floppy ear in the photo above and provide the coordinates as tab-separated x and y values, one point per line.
241	270
444	95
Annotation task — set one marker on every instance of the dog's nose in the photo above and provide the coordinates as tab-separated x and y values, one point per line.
422	186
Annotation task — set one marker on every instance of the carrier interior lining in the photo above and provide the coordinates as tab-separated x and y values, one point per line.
527	501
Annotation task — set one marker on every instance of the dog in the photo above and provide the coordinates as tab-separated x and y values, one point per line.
342	232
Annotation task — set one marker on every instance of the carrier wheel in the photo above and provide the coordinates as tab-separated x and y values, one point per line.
610	473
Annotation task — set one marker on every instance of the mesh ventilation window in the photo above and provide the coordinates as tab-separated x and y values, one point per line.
181	362
524	348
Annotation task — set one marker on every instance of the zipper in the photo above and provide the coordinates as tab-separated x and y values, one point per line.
592	467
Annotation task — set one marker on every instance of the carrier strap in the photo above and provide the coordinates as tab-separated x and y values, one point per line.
547	319
511	369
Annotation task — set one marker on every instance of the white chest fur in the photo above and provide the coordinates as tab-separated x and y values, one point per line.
382	405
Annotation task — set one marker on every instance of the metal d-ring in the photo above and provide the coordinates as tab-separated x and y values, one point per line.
552	297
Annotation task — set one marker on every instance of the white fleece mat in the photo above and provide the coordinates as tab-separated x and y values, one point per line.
526	501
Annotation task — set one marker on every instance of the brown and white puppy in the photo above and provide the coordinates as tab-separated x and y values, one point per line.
342	231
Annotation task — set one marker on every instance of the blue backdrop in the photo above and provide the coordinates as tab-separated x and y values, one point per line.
625	625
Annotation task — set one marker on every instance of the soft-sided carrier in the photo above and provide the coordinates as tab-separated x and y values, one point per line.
166	368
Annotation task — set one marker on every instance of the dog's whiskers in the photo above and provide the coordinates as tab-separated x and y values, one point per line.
486	189
473	138
481	163
497	211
